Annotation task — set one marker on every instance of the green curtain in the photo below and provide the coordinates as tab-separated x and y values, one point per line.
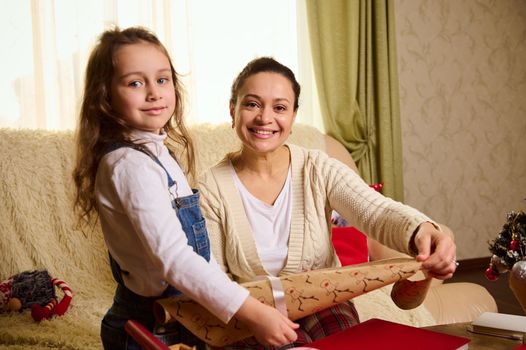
354	55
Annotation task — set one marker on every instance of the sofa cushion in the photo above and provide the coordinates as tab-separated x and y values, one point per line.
350	245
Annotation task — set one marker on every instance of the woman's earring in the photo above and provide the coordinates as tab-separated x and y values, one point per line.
233	123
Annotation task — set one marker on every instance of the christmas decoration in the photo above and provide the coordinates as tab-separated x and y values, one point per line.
509	254
34	290
509	247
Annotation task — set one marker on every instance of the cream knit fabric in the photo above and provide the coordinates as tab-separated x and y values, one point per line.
319	185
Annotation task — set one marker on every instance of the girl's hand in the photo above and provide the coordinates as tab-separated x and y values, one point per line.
266	323
436	250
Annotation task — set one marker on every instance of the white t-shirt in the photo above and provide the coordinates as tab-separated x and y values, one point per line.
270	224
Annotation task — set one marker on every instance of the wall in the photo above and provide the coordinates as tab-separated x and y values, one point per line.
462	71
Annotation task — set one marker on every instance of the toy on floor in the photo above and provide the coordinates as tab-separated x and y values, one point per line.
34	290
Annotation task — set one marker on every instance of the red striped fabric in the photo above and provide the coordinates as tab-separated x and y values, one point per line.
312	328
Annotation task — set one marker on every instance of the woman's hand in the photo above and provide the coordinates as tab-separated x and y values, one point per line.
436	250
266	323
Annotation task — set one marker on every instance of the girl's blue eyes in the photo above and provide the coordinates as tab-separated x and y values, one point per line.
137	83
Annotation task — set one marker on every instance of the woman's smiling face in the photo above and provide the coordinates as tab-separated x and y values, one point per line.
264	112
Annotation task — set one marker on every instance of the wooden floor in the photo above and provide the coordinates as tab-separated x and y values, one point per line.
472	270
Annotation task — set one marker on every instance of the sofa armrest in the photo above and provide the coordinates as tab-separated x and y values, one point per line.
458	302
336	150
378	251
447	302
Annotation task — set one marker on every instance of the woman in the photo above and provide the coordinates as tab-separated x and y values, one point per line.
268	205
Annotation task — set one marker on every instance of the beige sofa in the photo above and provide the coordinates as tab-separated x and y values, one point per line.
37	230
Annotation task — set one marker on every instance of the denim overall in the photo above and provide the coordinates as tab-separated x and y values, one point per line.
129	305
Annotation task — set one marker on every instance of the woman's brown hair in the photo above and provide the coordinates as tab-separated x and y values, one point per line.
99	127
262	65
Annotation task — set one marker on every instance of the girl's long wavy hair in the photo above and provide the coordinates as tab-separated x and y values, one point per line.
99	126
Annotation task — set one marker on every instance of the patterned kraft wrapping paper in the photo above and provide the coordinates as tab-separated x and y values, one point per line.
302	295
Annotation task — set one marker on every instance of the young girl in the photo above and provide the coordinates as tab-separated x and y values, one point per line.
154	231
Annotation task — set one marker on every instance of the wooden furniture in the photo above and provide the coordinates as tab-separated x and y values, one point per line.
478	341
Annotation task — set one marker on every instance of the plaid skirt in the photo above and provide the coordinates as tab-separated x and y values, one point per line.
314	327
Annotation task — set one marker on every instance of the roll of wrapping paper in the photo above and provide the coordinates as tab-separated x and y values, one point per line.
300	295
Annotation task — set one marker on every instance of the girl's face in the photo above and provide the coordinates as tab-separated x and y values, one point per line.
264	112
142	90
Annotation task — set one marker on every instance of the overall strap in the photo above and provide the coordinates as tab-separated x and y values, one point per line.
117	145
187	211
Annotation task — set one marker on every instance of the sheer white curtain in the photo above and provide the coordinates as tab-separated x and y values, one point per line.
46	44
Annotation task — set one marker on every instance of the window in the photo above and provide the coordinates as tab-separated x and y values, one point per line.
47	44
